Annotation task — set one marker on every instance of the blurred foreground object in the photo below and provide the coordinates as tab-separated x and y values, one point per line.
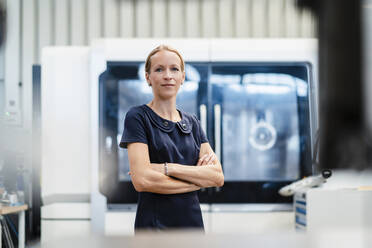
328	239
344	141
2	23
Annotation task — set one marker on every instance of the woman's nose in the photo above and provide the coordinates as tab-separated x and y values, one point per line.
167	74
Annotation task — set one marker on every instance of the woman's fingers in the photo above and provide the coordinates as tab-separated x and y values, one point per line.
213	158
201	160
210	158
207	158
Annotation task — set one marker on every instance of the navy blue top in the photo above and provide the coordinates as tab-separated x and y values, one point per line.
172	142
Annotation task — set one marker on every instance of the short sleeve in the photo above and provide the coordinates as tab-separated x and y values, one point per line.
202	136
134	128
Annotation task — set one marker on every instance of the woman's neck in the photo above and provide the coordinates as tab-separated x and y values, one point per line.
165	109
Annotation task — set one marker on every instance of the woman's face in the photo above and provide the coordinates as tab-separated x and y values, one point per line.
165	75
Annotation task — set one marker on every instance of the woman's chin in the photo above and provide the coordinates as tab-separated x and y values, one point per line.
168	95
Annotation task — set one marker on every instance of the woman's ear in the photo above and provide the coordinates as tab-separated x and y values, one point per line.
183	77
148	79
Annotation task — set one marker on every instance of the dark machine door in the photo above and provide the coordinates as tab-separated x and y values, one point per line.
123	86
261	128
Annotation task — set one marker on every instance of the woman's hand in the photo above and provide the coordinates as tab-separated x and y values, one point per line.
208	158
207	172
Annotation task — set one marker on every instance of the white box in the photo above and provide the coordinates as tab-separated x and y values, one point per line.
338	209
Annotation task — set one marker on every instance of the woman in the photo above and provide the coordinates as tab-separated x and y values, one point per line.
169	155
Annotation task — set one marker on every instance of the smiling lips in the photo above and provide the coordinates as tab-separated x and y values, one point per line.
168	85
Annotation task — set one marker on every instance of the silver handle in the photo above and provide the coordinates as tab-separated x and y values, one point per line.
203	123
217	134
217	130
203	117
108	144
118	138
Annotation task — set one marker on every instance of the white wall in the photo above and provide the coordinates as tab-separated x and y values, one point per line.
77	22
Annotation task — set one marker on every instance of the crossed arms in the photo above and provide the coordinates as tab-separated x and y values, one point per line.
150	177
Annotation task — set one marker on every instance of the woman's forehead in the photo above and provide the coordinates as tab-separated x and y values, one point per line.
165	57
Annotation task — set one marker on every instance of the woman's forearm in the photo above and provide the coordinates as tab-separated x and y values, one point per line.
202	176
156	182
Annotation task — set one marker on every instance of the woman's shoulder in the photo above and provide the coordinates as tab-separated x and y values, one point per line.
135	110
135	113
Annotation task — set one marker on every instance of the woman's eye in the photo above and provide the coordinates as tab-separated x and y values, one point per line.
175	69
158	69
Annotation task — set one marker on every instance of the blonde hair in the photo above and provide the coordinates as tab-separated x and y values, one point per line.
163	48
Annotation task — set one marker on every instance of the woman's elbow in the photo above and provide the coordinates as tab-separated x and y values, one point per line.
220	181
217	182
139	185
